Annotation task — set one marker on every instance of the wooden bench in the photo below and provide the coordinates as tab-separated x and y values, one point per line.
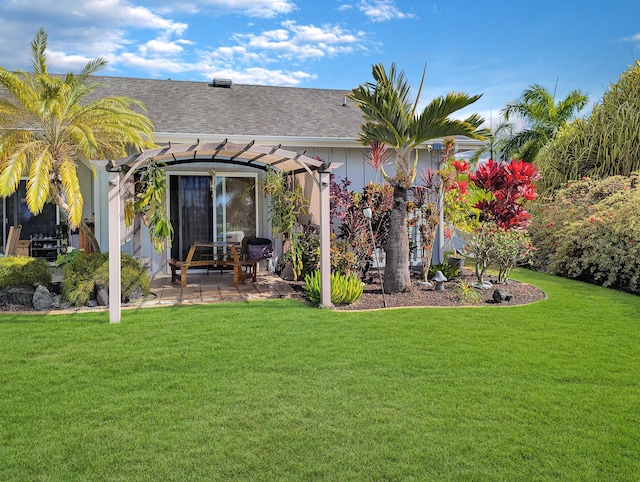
242	269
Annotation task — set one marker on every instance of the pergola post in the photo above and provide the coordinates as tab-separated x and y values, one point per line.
113	204
325	239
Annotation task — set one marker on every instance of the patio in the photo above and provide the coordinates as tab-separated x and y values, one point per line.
214	287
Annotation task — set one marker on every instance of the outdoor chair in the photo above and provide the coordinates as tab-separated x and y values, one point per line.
12	240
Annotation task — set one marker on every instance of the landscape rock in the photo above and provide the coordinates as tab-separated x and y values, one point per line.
20	296
136	294
102	294
92	303
500	295
42	299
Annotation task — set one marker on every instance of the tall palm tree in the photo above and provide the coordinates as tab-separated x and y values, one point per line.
48	124
392	118
537	107
496	139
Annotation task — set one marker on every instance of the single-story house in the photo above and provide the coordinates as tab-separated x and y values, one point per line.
215	200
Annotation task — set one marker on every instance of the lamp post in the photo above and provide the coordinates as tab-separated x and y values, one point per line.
368	214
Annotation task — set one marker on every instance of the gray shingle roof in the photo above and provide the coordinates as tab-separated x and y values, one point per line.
251	110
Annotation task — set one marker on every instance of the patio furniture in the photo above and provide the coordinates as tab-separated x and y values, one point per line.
12	240
220	259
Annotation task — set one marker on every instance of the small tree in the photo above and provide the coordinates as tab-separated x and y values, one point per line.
502	236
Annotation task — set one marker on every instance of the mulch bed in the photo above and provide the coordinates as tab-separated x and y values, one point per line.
422	296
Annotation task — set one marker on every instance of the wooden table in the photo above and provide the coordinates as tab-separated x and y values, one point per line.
219	258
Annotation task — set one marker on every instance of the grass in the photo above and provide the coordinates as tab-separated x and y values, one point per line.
276	390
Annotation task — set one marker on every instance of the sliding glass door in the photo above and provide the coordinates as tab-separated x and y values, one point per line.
194	218
235	208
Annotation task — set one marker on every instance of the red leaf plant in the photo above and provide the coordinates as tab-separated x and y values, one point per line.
508	186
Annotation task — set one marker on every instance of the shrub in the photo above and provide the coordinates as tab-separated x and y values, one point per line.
23	271
603	247
465	292
345	289
577	201
494	245
309	246
448	270
510	247
88	269
351	245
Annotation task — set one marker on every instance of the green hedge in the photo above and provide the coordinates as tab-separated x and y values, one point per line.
88	269
23	271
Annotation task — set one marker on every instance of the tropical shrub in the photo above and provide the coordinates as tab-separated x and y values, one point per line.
511	246
352	244
448	270
23	271
88	269
555	213
480	245
309	248
345	289
507	187
598	242
466	293
494	245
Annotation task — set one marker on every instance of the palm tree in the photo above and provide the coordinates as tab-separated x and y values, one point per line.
496	139
49	125
392	118
537	106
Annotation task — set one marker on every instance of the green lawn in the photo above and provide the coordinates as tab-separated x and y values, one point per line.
277	390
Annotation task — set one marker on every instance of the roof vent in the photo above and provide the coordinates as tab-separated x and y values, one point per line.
226	83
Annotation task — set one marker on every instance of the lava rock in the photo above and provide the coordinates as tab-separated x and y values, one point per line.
42	299
135	294
500	295
20	296
102	294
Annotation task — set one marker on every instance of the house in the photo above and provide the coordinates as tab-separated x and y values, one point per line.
222	201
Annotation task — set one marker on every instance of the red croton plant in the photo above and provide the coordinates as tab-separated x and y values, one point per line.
508	186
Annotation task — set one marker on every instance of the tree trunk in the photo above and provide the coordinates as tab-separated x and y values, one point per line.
397	276
58	199
84	227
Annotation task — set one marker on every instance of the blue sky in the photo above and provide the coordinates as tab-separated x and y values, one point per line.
494	48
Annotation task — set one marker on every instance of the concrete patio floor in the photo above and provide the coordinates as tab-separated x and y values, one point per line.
214	287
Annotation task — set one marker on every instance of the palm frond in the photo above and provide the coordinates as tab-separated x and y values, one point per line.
38	48
71	190
39	179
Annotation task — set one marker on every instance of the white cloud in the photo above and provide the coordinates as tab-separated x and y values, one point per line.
156	48
302	42
632	38
382	10
146	38
253	8
262	76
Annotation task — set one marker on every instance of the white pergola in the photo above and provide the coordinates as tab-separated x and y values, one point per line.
248	155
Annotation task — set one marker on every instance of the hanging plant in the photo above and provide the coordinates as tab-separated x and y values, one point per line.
149	201
287	204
